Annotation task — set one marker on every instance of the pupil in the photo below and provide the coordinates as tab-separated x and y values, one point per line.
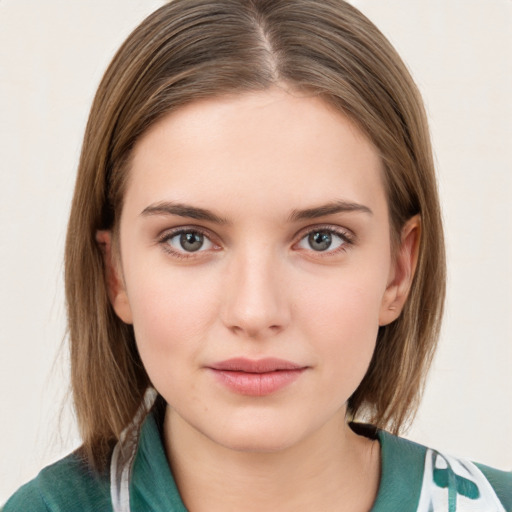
320	241
191	241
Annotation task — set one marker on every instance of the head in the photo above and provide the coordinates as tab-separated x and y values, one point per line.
194	50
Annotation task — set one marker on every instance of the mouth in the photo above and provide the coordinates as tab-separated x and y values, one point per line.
259	377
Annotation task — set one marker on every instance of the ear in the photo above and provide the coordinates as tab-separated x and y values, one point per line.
401	272
113	278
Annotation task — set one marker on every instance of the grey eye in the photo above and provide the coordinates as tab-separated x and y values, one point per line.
189	241
322	240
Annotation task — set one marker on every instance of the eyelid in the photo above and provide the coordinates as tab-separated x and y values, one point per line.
167	234
345	234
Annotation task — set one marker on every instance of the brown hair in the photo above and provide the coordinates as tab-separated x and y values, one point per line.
191	49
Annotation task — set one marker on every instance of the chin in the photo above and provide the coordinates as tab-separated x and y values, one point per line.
260	434
256	442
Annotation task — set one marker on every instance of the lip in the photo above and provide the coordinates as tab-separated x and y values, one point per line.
258	377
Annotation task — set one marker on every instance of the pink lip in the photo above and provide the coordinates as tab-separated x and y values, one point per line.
256	377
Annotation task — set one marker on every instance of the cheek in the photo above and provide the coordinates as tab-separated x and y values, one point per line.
349	322
346	302
171	314
343	321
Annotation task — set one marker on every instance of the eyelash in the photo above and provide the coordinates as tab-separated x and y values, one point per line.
164	239
346	237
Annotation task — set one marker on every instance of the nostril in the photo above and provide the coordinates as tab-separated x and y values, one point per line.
254	331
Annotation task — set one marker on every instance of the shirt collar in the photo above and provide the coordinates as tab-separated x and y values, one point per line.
153	488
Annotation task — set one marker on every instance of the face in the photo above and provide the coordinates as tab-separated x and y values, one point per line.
255	265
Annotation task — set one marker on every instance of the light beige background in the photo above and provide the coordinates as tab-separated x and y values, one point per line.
52	55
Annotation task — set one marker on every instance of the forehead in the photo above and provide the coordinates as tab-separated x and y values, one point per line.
273	147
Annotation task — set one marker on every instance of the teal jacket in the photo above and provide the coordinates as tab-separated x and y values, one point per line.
414	478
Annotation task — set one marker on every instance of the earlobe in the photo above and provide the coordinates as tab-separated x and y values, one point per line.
402	272
113	279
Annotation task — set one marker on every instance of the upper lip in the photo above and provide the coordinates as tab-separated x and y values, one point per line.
265	365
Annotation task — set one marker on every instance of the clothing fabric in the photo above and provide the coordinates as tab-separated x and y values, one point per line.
414	478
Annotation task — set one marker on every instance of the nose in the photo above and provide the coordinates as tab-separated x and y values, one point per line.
255	304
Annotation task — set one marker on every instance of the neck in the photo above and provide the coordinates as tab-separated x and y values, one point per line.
330	467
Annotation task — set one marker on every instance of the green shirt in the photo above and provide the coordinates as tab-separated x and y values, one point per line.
413	479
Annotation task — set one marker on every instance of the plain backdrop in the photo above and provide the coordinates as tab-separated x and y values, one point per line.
52	56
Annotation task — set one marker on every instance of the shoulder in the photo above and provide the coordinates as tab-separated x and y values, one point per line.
61	487
501	482
445	479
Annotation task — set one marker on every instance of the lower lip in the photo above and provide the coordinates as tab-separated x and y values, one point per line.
257	384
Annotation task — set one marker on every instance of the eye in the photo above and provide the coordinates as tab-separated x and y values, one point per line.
187	241
324	240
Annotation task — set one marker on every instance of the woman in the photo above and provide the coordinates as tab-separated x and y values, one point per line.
255	235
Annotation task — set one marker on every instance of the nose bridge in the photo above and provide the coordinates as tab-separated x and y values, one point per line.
255	301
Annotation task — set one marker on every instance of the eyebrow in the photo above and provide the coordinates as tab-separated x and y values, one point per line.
193	212
182	210
329	209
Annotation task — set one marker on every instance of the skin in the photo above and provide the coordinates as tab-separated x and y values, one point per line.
260	287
